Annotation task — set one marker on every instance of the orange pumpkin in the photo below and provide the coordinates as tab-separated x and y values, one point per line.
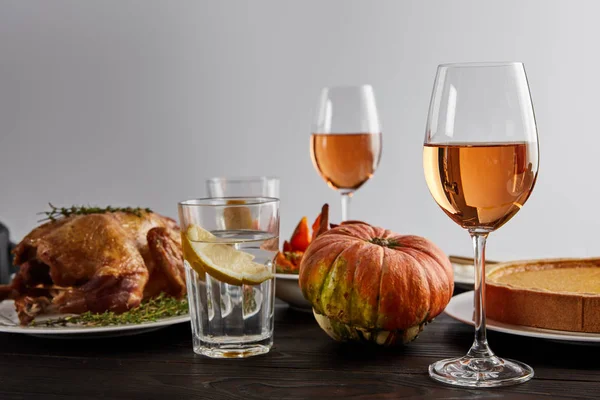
368	283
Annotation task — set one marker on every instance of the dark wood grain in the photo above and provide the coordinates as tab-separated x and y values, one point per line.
304	364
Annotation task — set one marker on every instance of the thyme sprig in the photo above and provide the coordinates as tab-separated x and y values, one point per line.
61	212
150	310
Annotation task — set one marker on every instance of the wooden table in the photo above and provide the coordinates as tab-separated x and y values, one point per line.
304	364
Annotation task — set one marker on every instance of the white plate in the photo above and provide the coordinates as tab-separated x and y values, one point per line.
288	290
9	323
464	275
461	309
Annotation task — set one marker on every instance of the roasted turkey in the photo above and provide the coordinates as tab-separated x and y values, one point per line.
97	262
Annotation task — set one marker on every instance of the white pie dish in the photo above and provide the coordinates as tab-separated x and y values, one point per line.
288	290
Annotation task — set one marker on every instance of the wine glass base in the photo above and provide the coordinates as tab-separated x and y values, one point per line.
480	372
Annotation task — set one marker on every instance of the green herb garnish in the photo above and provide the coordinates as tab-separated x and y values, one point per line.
150	310
61	212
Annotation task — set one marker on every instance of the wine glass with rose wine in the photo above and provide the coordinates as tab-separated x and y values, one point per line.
345	145
481	161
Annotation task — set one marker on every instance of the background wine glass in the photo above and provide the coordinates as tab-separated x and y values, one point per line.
345	144
481	161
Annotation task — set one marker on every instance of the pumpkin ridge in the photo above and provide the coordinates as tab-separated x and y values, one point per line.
427	280
438	261
357	231
341	231
388	234
326	280
422	249
371	231
398	287
383	269
307	268
353	294
433	262
337	288
344	234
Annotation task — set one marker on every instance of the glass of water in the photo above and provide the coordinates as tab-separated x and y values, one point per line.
228	249
253	186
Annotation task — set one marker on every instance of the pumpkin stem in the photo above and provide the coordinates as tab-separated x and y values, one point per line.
323	220
391	243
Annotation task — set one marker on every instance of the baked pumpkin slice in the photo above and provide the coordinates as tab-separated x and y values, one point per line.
561	294
288	260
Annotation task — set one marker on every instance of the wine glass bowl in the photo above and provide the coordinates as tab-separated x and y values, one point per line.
345	161
480	186
480	159
346	139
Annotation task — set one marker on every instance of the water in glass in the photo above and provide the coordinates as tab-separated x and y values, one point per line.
234	320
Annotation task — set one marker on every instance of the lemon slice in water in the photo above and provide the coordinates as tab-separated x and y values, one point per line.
221	261
192	234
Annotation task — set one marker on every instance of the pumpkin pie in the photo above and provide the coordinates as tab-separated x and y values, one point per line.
562	294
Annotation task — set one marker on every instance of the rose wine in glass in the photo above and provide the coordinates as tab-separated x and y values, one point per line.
480	159
345	161
482	185
346	142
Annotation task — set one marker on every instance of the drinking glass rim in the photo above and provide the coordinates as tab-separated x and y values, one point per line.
236	179
349	86
479	64
207	201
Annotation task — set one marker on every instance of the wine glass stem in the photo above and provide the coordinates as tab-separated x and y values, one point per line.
346	206
480	347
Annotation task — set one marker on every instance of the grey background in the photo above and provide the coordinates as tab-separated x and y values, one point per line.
137	102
